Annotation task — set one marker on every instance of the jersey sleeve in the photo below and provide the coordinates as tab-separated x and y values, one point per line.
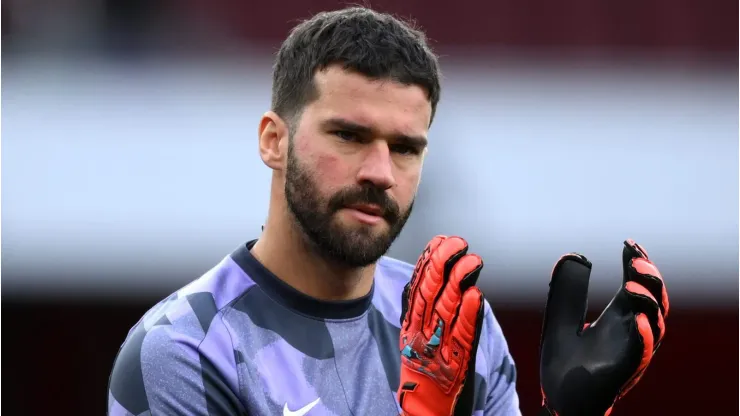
501	398
175	370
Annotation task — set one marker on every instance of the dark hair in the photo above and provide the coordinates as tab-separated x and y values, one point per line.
373	44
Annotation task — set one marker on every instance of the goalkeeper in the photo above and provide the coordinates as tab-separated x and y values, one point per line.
311	318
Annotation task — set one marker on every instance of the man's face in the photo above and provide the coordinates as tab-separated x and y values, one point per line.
354	164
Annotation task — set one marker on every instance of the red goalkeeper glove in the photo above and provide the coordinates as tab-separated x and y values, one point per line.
441	322
585	369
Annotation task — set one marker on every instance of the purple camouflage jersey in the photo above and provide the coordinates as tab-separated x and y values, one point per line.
239	341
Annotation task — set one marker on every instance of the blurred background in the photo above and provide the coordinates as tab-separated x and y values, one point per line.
130	166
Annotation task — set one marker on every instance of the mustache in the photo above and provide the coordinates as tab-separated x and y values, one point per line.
366	195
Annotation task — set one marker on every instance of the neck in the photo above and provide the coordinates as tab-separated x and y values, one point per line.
284	251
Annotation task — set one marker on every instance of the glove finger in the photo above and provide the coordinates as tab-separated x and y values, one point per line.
567	299
632	249
645	304
436	275
644	331
645	273
464	274
412	299
466	329
638	267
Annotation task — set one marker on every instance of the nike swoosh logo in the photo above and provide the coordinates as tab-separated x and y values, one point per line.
300	412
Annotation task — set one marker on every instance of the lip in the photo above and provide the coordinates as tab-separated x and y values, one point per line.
363	216
368	209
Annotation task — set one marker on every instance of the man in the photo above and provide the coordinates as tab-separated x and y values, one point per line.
312	319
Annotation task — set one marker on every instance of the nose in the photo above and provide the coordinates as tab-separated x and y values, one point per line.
377	166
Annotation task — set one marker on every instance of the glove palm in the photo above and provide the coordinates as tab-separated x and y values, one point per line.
585	369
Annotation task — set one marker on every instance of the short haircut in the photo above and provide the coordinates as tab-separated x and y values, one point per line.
376	45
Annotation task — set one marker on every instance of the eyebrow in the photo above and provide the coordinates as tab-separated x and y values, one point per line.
343	124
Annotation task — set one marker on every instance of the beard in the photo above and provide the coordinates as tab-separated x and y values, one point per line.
344	245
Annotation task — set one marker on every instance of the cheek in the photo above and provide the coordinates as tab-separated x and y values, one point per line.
331	171
406	188
327	170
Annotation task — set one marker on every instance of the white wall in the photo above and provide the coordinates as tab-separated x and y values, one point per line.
124	180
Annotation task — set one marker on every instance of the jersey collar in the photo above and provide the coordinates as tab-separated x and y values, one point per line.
292	298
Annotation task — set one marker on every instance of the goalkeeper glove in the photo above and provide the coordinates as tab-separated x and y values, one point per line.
441	320
585	369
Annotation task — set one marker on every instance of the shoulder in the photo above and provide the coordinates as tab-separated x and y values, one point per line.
178	336
493	345
192	308
391	276
393	271
496	370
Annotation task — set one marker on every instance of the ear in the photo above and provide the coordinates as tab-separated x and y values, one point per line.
273	135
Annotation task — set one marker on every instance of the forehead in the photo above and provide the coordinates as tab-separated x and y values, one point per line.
379	104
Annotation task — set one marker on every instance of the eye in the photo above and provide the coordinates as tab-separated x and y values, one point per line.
346	135
404	149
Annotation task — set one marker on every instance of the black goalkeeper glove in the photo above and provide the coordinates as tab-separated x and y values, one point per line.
585	369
